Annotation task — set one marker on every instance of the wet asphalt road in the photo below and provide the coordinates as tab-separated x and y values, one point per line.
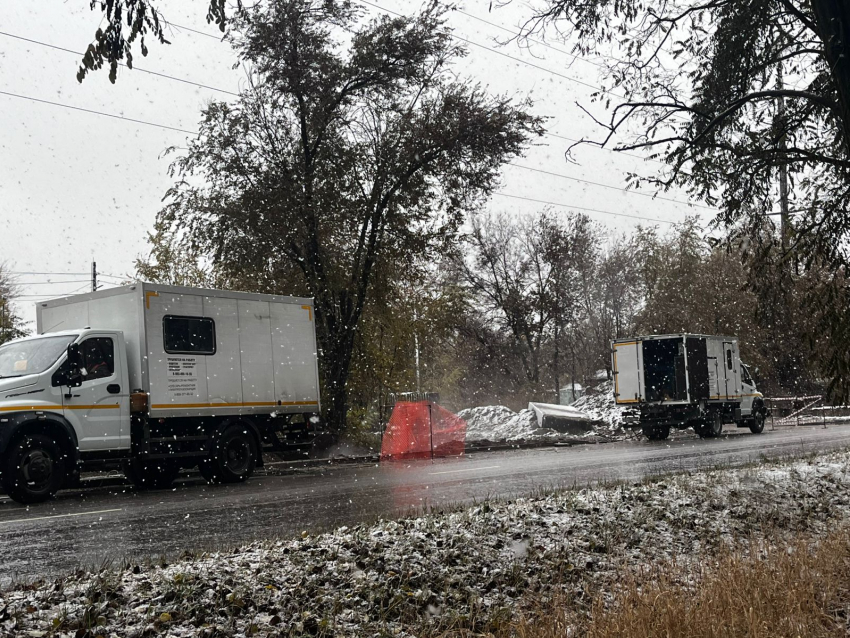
108	524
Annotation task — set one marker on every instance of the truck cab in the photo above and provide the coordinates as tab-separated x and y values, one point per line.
63	396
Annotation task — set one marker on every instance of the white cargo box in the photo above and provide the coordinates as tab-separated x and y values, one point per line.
204	352
676	369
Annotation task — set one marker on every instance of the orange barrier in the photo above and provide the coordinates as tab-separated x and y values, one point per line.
422	430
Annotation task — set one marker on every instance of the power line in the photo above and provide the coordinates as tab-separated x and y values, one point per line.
618	188
505	55
120	117
592	210
69	274
541	42
602	148
209	35
47	283
54	296
78	108
535	40
135	68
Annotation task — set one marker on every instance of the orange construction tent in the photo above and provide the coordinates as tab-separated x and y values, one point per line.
422	430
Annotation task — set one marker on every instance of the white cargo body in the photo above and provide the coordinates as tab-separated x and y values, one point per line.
685	380
676	369
204	352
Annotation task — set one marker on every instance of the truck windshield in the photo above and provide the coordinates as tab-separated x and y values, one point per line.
31	356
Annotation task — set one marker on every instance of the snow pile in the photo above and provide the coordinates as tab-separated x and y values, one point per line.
599	404
499	423
485	418
459	572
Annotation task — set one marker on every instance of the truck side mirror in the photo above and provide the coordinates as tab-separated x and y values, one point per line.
75	366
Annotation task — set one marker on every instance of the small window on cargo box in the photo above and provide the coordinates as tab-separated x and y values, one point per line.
188	335
729	358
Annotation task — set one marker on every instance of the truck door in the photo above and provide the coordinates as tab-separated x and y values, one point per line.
748	391
733	384
627	362
99	409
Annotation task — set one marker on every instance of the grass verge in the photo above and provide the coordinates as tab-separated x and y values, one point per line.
758	591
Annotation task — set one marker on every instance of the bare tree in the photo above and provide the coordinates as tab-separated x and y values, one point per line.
522	276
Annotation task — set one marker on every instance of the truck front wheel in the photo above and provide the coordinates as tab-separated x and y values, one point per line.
34	469
233	456
757	422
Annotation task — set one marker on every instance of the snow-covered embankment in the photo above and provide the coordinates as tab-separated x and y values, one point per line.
419	575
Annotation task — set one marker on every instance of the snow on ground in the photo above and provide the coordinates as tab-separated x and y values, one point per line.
499	423
599	404
461	570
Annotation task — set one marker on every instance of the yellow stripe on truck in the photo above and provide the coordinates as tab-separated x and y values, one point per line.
257	404
18	408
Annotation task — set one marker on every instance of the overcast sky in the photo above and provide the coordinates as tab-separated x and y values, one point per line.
77	187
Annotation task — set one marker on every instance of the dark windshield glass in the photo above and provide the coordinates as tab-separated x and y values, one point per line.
31	356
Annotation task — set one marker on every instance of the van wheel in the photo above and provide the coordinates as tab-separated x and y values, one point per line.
151	475
233	457
34	469
656	432
757	422
714	425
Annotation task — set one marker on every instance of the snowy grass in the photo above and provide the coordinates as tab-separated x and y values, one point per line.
478	569
764	590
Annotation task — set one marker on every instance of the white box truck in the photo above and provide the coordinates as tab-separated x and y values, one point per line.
155	378
686	380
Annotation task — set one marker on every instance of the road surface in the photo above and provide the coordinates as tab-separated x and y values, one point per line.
110	524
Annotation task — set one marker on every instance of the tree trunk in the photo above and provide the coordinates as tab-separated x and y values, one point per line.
337	366
335	332
833	23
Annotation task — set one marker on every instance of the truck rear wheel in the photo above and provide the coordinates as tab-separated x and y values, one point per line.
233	456
713	427
656	432
34	469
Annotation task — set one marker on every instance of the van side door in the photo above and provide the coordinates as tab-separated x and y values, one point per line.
748	391
99	409
733	385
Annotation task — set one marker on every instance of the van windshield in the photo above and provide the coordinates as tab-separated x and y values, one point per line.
31	356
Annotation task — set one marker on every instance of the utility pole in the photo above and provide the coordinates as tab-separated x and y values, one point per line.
94	276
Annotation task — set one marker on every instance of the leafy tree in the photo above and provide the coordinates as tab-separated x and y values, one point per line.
353	147
730	93
691	286
175	263
127	21
11	326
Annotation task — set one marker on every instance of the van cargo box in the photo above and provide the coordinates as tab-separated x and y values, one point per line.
204	352
676	369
